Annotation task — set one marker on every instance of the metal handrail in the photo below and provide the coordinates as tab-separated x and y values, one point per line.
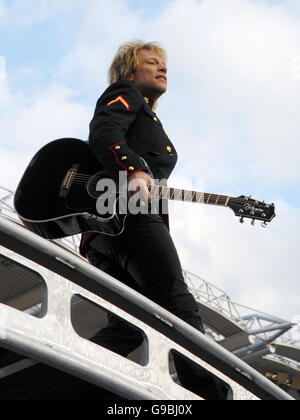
70	267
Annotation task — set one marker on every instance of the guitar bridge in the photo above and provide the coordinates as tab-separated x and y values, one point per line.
68	180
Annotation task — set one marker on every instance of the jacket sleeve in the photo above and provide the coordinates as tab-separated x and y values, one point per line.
115	111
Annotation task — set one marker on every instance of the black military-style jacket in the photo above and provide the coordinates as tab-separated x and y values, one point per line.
124	127
126	135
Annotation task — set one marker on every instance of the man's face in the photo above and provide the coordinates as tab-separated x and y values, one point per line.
150	75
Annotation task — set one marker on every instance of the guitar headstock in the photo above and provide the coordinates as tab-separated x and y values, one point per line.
248	207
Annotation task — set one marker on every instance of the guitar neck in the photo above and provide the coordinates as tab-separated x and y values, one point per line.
188	196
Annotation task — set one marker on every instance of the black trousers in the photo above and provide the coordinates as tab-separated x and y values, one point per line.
144	258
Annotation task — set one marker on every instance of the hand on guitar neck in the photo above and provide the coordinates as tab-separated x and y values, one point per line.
138	181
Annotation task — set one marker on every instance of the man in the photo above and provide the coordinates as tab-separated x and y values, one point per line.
126	135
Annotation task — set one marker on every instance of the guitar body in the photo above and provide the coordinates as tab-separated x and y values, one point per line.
53	212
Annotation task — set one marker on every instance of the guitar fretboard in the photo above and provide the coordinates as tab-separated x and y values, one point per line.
189	196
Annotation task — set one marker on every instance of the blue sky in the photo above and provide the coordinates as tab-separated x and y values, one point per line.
232	110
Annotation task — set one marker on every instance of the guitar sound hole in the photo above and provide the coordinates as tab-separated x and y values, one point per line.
92	187
106	187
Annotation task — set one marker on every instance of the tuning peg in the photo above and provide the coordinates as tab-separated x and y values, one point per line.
264	224
252	222
241	220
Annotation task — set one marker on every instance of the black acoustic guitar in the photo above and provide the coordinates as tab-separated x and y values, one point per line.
58	195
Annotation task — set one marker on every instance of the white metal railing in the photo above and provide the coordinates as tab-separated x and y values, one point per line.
52	338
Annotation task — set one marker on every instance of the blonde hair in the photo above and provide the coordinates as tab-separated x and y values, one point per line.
126	59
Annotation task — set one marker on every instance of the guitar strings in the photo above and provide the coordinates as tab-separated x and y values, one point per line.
81	180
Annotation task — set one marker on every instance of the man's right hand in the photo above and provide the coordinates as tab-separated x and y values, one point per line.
138	181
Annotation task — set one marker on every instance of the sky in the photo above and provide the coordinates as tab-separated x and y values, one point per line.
232	111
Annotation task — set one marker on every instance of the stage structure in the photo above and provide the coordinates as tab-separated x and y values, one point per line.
52	301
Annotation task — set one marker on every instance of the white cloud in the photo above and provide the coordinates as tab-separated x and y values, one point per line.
50	115
12	167
99	32
87	64
2	68
238	62
2	11
23	14
4	93
26	124
256	267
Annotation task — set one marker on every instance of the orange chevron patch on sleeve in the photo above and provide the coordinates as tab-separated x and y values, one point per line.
120	99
